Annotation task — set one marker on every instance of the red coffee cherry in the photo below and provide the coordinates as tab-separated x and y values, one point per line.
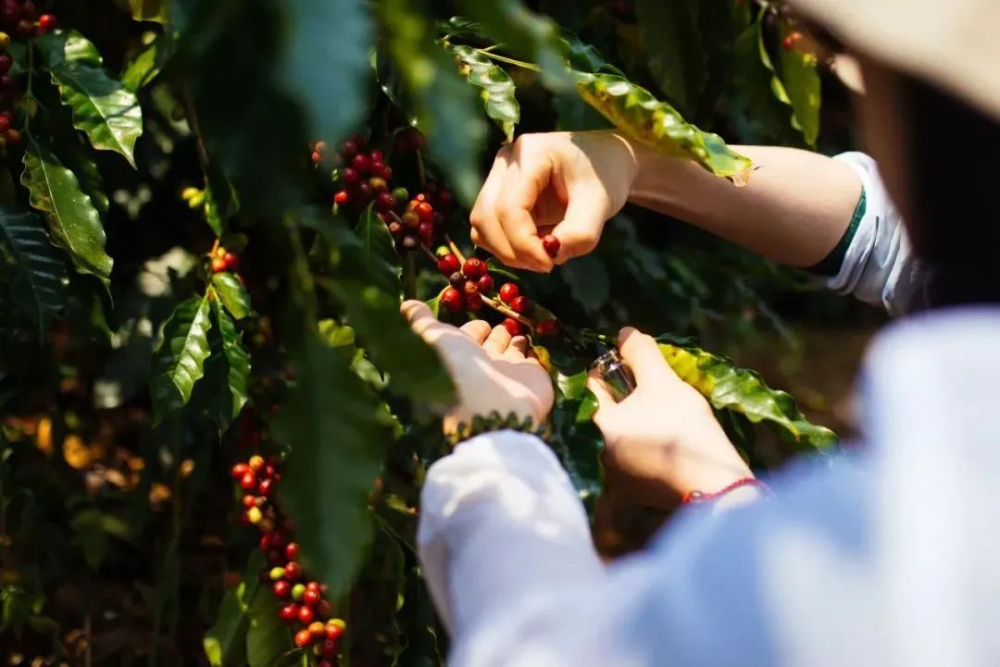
410	220
521	305
266	487
513	327
334	630
551	245
361	162
452	299
426	231
292	550
508	292
5	63
486	284
791	40
385	202
239	470
293	571
232	261
316	630
303	637
449	264
282	589
474	301
329	649
425	211
310	597
306	615
350	175
474	268
249	501
547	328
341	198
13	137
289	613
249	481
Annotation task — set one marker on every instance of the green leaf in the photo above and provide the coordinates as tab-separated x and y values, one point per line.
149	61
575	439
672	40
149	10
225	641
103	108
497	87
588	282
334	334
73	220
179	361
378	254
445	106
532	36
326	64
267	637
85	169
729	387
237	361
644	118
330	421
232	293
32	267
801	82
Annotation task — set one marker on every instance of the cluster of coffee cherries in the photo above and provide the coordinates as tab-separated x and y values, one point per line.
421	220
302	601
223	260
363	173
21	19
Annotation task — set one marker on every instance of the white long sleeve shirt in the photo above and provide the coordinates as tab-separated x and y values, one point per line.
891	558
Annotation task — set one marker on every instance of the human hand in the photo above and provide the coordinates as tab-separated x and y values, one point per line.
567	184
492	372
663	440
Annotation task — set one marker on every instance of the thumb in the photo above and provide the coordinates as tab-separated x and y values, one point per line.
581	228
605	401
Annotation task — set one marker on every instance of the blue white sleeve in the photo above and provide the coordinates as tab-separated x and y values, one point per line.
879	267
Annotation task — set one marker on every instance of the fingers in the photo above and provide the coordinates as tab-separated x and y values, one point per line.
477	330
517	349
581	228
526	178
605	401
497	342
421	319
486	230
643	356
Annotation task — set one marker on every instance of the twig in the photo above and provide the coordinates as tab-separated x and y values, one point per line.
429	252
454	249
503	309
509	61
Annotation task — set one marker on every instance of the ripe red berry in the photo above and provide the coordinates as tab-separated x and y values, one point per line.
316	157
551	245
449	264
444	198
5	62
486	284
361	140
218	266
385	202
474	268
249	481
4	123
303	637
239	470
349	149
292	550
791	40
474	301
24	29
281	589
317	630
547	328
306	615
521	305
13	137
249	501
275	557
313	586
266	487
364	190
509	292
350	175
425	211
376	155
293	571
28	9
311	596
513	327
341	197
361	162
289	613
410	220
329	649
426	231
452	299
334	631
386	173
232	261
324	663
11	12
470	287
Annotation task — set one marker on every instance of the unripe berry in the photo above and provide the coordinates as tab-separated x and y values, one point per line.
426	231
4	41
248	481
474	268
452	299
513	327
449	264
442	250
395	228
509	292
292	551
310	597
303	637
551	245
521	305
377	184
400	193
474	302
218	265
317	630
350	175
256	462
293	571
289	613
239	470
298	590
385	202
281	589
486	284
249	501
410	220
306	615
277	573
410	242
254	515
341	198
547	328
13	136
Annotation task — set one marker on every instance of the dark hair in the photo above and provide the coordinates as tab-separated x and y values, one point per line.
955	192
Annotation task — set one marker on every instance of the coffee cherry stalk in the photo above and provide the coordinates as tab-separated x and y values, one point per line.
302	600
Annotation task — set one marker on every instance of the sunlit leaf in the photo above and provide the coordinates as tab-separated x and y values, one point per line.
149	61
237	361
232	293
73	220
149	10
497	87
801	82
179	361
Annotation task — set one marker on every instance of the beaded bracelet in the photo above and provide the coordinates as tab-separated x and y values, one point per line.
692	497
496	422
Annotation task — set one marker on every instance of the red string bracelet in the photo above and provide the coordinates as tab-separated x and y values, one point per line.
692	497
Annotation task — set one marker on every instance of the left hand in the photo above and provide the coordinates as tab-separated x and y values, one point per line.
492	372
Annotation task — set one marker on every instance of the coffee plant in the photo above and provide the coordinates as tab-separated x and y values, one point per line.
215	421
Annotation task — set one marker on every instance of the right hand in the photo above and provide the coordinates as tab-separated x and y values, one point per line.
663	440
567	184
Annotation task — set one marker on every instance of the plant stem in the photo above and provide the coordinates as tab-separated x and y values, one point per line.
410	276
430	253
509	61
454	249
503	309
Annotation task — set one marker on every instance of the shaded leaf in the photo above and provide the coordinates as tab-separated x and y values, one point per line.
672	39
588	282
267	638
575	439
378	254
237	361
729	387
497	87
225	641
444	105
178	362
337	442
326	64
103	108
73	220
32	267
644	118
232	293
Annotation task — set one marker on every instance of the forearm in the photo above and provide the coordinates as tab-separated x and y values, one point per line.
795	208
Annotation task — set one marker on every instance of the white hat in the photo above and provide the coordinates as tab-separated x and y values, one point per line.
954	44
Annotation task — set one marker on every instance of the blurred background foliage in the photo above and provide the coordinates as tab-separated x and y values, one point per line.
119	533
